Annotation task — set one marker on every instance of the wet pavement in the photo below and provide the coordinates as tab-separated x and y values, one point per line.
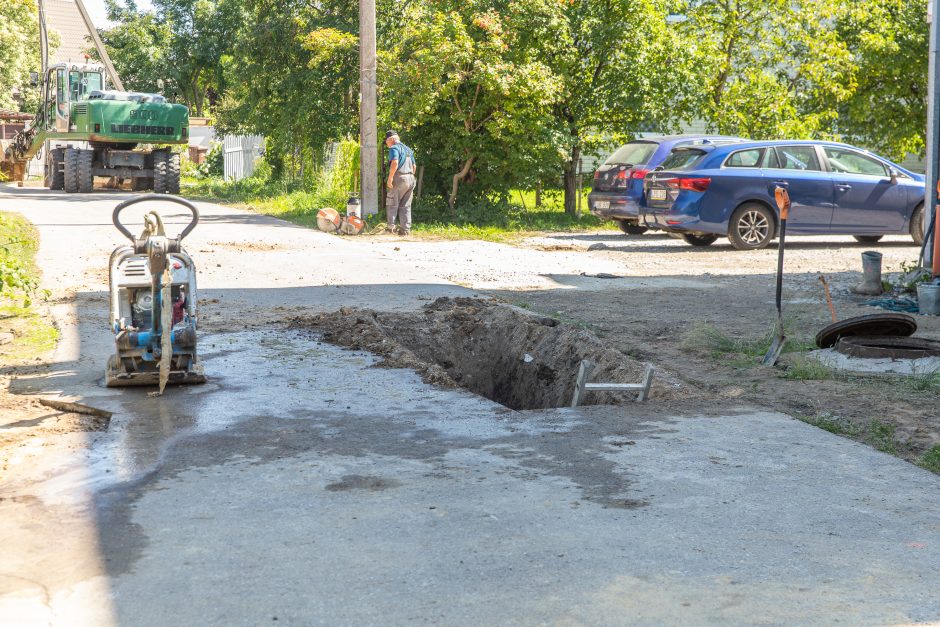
302	485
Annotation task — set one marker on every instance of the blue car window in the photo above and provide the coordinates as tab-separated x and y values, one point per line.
634	153
745	158
682	158
850	162
797	158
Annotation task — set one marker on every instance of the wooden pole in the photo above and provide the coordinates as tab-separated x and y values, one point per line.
368	133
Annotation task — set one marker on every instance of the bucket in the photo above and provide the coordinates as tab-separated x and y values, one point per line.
928	299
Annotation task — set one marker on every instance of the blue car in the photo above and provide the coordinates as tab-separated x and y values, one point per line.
617	193
705	192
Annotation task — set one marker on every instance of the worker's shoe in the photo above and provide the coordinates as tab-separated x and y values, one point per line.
404	232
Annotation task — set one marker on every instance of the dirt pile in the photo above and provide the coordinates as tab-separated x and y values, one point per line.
511	356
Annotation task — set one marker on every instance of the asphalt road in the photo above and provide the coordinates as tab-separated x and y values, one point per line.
302	486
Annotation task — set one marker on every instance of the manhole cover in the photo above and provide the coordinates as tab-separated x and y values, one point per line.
871	325
888	347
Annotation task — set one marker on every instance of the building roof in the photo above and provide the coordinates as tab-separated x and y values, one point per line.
63	17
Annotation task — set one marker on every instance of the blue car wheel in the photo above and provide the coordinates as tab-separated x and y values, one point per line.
752	226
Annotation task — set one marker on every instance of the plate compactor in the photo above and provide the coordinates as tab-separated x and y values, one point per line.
153	303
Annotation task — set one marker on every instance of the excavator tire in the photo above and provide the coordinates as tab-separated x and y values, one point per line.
71	176
56	174
173	174
86	177
160	172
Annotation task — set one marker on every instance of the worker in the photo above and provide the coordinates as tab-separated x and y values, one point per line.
401	184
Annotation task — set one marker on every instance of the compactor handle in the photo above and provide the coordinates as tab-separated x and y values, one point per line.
115	217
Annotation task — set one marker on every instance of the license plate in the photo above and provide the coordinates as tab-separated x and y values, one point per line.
602	204
657	194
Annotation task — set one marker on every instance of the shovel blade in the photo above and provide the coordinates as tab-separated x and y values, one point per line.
773	353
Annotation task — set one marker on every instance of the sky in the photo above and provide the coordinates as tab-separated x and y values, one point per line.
99	15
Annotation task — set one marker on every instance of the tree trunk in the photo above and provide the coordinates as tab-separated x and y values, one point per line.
571	181
460	176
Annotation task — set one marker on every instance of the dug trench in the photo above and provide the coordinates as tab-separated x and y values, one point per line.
504	353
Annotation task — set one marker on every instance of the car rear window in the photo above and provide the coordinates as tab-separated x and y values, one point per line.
683	158
745	158
634	153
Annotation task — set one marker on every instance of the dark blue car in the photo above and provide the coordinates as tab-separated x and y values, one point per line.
704	192
617	193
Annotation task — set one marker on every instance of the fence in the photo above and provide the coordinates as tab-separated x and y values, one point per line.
240	154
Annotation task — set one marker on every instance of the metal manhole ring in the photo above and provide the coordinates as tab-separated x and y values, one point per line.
883	324
882	347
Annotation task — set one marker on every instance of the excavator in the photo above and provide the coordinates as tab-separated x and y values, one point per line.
88	126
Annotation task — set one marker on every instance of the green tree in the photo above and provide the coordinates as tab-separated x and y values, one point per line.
19	50
622	67
465	80
889	41
181	44
773	68
293	75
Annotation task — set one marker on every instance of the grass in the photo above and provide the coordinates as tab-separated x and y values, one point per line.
880	435
806	368
32	335
487	219
707	339
832	424
931	460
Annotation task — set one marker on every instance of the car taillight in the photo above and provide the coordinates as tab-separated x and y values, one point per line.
692	184
597	175
638	174
620	181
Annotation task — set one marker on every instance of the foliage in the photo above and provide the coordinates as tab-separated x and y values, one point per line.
293	77
214	165
890	42
931	459
19	49
773	68
464	79
613	84
18	244
180	45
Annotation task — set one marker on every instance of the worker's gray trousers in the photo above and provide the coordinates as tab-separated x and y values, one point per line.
398	201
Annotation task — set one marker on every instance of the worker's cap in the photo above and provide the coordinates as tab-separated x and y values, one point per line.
390	134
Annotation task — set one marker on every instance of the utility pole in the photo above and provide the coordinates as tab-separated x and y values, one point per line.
368	140
933	126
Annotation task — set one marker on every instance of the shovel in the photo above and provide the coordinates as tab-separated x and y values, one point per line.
773	353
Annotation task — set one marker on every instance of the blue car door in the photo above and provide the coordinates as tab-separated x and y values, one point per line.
798	169
866	199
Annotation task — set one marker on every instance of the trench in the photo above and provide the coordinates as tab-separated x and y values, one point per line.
516	358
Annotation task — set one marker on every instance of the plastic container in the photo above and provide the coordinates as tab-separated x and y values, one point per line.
928	299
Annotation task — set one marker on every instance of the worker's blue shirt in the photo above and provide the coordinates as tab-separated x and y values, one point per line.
405	157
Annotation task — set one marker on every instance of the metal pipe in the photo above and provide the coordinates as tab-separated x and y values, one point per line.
368	132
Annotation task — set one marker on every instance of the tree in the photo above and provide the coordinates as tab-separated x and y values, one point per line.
774	68
19	49
293	76
889	41
621	68
181	43
466	82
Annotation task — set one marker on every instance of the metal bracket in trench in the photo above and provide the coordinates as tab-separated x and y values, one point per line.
582	387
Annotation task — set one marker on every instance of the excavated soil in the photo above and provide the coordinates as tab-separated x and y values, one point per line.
511	356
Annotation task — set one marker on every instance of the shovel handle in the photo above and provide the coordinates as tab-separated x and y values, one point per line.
782	197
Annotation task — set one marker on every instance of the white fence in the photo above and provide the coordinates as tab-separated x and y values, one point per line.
240	154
